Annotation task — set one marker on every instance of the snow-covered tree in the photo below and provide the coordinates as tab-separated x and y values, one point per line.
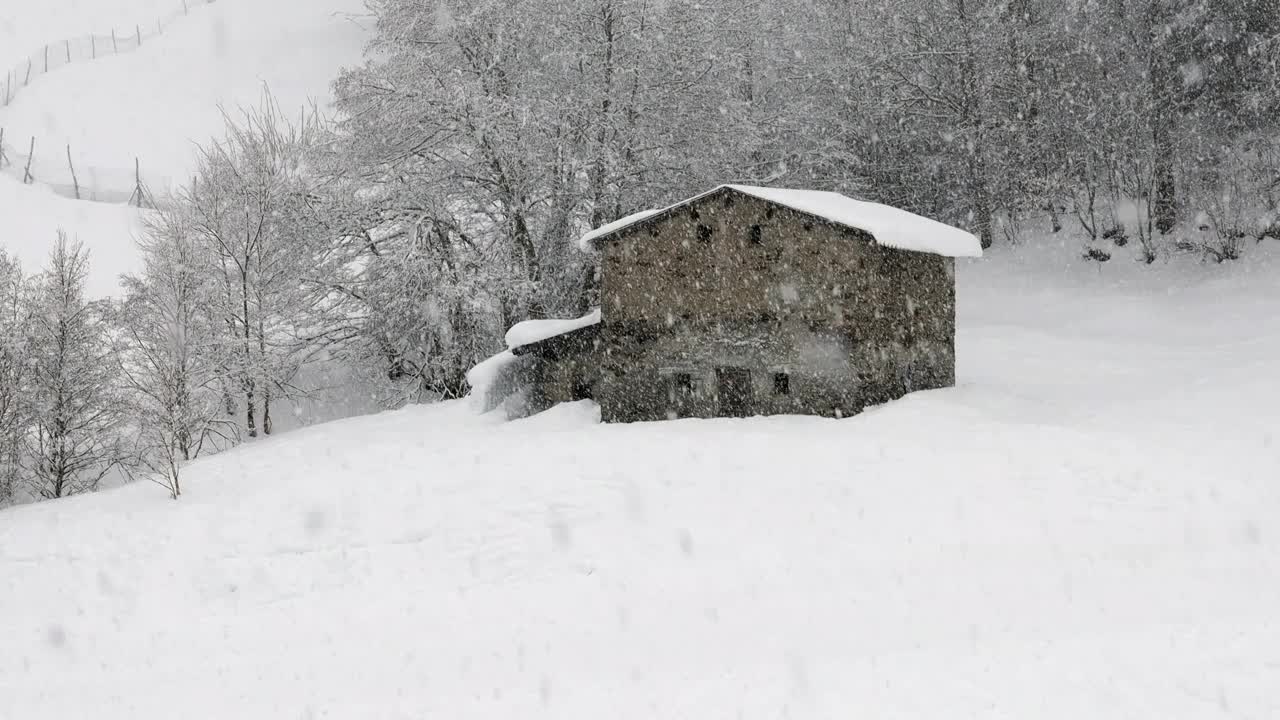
15	398
248	210
77	417
167	349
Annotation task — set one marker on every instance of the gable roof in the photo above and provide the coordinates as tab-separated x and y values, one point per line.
889	226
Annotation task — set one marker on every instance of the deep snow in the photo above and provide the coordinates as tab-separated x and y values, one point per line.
1085	528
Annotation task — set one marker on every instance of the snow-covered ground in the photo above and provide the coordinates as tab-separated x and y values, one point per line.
157	102
153	104
1087	527
26	27
31	215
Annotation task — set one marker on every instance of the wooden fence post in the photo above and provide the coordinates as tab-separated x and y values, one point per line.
137	29
31	154
46	58
27	81
93	45
68	44
75	182
115	46
139	197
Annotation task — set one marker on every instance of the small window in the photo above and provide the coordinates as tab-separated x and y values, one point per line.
756	235
781	383
704	233
682	384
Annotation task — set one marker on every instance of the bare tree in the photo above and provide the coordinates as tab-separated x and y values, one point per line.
166	350
247	209
77	417
15	399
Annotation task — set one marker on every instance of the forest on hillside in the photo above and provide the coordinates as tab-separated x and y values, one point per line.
401	232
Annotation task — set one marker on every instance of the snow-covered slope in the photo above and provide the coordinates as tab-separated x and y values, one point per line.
1085	528
30	216
153	104
157	102
26	26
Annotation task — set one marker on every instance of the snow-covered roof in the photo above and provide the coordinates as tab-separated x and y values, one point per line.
608	229
890	226
534	331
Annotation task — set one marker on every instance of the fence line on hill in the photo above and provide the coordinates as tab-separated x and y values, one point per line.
49	168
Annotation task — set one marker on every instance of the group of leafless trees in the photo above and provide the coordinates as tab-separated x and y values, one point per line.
58	410
211	332
479	139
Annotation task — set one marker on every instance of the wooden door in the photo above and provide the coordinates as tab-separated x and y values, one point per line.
733	386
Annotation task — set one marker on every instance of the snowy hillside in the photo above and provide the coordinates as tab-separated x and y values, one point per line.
157	102
1084	528
33	214
152	104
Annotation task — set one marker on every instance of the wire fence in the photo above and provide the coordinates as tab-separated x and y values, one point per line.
26	158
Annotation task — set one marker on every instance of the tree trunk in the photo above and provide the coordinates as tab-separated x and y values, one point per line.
1161	74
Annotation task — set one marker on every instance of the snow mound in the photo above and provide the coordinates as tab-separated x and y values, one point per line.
890	226
484	375
534	331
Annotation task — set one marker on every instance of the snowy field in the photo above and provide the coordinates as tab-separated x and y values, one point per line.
1085	528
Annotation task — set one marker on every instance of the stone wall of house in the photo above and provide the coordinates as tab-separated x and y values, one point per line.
735	282
565	379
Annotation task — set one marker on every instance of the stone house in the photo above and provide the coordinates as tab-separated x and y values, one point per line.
756	301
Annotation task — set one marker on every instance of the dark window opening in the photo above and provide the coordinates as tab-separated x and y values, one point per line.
757	235
693	213
769	212
682	384
781	383
704	232
808	226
